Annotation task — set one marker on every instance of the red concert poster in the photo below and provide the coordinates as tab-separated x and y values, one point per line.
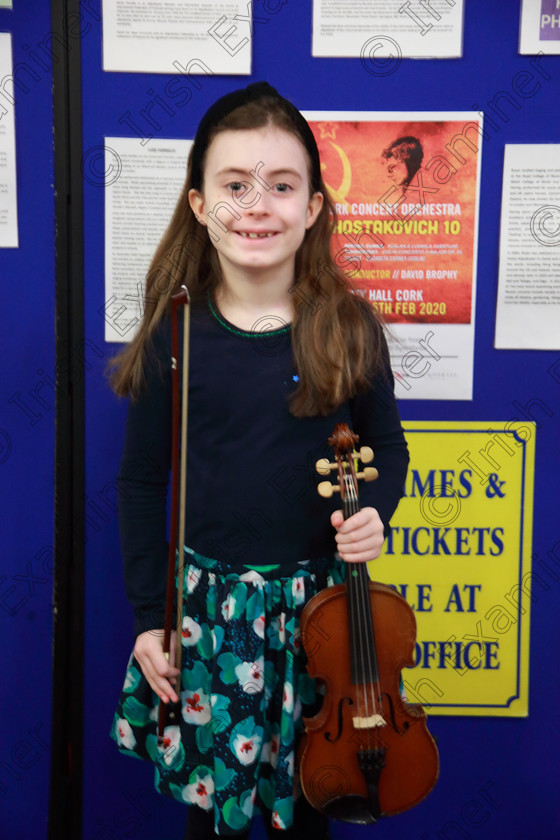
405	189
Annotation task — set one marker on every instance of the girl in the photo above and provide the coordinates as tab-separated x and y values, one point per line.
280	350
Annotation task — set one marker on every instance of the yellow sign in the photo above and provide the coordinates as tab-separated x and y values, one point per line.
460	552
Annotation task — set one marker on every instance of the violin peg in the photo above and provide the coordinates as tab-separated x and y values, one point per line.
323	466
368	474
366	454
326	489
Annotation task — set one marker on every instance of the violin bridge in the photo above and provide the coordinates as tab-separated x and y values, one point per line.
368	722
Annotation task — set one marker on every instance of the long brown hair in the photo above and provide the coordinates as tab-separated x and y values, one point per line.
336	335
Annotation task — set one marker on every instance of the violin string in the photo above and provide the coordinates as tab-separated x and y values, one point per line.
366	652
360	597
349	487
370	654
365	649
350	587
368	657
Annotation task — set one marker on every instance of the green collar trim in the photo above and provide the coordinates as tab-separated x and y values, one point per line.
245	333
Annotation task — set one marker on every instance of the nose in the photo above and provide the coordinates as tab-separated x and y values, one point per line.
260	203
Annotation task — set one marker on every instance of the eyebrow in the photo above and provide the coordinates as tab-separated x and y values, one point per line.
232	170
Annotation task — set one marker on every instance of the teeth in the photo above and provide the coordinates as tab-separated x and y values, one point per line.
256	235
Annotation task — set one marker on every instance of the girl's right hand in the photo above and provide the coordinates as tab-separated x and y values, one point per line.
148	650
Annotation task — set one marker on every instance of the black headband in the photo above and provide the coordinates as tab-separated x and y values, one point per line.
228	103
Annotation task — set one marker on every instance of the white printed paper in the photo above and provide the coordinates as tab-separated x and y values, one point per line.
142	186
8	188
173	36
382	32
528	312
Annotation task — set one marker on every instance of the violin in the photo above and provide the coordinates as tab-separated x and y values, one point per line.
367	753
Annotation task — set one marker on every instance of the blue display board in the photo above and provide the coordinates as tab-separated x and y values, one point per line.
27	443
496	778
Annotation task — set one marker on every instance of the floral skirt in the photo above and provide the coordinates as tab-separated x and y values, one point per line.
244	690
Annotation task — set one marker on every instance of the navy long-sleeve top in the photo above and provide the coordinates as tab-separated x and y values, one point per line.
251	493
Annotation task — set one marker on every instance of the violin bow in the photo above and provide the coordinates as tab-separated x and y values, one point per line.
169	712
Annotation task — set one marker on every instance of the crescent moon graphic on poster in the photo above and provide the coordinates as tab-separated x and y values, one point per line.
341	193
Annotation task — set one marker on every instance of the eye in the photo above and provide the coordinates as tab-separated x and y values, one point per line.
237	187
282	187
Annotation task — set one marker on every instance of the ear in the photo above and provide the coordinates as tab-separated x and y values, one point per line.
196	201
313	209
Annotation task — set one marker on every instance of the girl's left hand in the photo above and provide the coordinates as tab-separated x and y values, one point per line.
360	537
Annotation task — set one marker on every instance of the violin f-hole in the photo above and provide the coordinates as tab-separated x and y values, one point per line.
340	714
392	716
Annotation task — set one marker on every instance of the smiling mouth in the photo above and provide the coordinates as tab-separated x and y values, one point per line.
256	235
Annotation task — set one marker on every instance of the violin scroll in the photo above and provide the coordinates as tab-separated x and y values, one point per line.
343	441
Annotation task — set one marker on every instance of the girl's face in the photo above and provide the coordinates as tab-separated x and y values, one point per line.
255	200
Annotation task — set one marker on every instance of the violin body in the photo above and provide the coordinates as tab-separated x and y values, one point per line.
339	770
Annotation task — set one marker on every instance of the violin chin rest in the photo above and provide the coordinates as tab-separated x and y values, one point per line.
351	809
